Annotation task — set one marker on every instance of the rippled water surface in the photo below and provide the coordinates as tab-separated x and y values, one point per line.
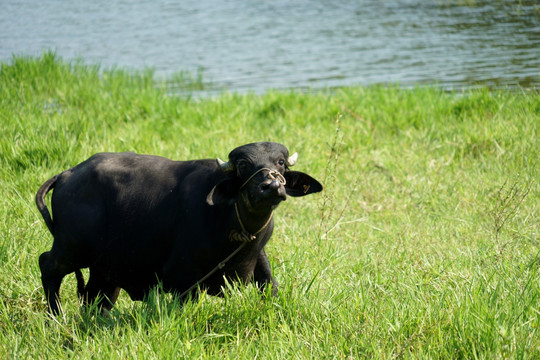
256	45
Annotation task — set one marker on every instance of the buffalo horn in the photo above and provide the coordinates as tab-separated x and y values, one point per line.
225	166
292	159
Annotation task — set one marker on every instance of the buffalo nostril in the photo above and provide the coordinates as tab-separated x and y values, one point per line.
274	185
269	186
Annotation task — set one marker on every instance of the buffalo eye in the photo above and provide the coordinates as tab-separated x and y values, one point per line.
241	164
281	162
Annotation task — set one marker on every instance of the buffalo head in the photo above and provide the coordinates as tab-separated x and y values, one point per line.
259	175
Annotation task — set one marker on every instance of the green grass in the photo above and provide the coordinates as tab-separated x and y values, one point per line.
424	243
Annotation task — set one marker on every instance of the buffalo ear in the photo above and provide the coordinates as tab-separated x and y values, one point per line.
300	184
224	192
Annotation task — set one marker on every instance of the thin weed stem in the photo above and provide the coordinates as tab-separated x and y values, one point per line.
508	200
330	215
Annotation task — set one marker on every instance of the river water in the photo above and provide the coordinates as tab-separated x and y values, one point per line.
255	45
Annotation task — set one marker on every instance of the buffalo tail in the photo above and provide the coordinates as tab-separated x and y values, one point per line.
40	201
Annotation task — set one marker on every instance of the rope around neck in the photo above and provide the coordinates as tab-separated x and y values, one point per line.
245	236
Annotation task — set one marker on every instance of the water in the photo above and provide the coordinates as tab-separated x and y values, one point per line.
255	45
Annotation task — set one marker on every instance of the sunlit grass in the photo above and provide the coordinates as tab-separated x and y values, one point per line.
402	255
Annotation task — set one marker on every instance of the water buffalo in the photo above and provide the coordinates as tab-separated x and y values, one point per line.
136	220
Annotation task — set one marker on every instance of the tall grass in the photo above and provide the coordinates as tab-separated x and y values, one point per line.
424	243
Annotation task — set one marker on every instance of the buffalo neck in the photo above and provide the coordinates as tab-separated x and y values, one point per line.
250	221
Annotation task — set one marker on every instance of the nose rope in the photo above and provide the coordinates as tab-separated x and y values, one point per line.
272	174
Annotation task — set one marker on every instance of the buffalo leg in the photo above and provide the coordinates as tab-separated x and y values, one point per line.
52	274
263	273
100	290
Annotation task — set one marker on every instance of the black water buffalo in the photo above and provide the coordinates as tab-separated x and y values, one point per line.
134	220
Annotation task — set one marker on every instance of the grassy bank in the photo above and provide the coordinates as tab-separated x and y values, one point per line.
424	244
